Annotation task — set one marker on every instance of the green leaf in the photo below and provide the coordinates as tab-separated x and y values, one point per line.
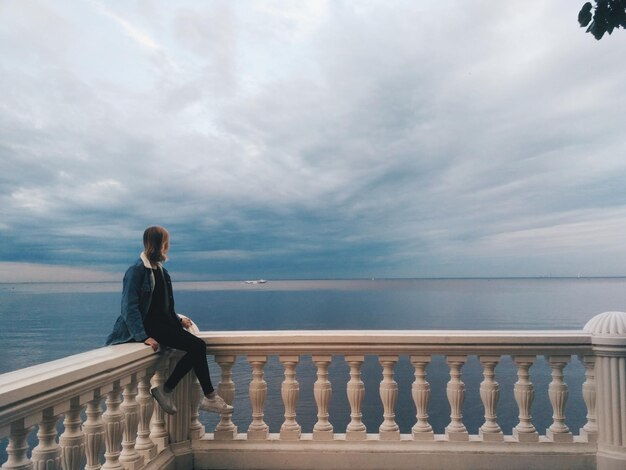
584	15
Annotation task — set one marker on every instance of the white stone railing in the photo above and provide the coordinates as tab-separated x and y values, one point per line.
130	432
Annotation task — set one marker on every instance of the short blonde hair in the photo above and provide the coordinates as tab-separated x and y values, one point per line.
155	242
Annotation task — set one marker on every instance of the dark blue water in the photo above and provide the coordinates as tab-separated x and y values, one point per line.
42	322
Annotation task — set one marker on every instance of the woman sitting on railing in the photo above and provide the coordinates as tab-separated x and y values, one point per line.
148	315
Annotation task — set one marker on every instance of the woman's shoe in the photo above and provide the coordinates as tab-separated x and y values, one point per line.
215	404
166	400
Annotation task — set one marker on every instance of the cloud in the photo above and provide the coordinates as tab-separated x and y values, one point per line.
140	37
34	272
315	139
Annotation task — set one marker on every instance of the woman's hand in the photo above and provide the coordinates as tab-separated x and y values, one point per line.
186	322
153	343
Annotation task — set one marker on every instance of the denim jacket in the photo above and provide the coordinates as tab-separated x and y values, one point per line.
136	298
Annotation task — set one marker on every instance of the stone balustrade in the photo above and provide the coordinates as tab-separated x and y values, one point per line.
101	401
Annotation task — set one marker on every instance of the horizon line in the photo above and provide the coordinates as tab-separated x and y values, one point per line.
434	278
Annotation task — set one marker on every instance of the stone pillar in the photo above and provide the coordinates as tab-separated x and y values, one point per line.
489	394
144	445
420	391
226	429
178	424
158	428
258	429
94	432
524	392
356	391
455	390
290	391
72	441
17	449
322	391
130	458
47	454
557	390
590	430
608	339
113	419
389	430
196	428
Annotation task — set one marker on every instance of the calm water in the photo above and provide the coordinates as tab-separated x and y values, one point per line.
42	322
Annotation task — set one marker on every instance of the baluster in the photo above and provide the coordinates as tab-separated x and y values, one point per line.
72	441
420	390
130	458
113	426
489	394
524	395
608	337
158	430
17	449
388	389
47	454
94	431
196	428
258	429
356	391
322	390
144	445
179	422
590	430
290	391
557	390
455	392
226	389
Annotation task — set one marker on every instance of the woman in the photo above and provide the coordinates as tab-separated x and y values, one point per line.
148	315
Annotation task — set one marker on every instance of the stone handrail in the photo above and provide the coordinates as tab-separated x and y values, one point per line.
377	342
134	433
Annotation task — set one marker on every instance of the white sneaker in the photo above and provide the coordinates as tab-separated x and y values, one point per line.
166	400
215	404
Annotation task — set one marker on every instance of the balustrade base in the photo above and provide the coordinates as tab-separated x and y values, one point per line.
225	434
356	435
591	437
374	454
290	434
389	435
161	443
423	436
559	436
525	436
132	464
105	466
491	436
149	454
165	460
457	436
196	433
258	435
323	435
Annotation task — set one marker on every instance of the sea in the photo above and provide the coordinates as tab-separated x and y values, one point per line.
46	321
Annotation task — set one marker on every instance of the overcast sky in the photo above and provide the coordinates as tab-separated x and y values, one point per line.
311	139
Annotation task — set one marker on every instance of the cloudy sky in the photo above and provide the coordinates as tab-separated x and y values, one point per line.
310	139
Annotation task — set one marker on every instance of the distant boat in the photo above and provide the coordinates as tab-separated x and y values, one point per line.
257	281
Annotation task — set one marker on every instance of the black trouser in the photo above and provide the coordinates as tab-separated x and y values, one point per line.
176	337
